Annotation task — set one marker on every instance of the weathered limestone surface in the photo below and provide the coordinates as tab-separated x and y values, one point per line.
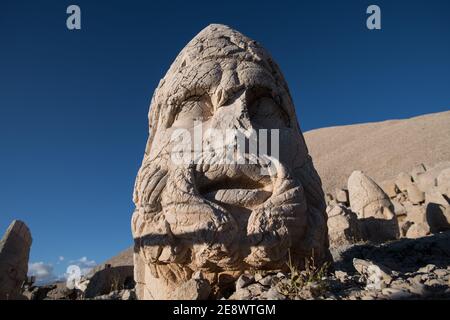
14	253
343	226
373	207
443	181
420	202
219	218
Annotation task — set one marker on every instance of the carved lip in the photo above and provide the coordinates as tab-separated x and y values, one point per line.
241	191
248	198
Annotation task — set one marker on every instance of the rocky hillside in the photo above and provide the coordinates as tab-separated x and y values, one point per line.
380	149
388	207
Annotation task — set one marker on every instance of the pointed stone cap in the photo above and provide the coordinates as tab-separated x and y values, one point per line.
18	230
366	197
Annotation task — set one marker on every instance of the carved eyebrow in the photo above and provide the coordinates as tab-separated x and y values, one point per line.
188	102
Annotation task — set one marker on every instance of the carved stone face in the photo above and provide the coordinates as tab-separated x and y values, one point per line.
217	217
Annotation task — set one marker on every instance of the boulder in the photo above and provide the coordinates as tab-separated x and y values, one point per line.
390	188
342	196
373	208
426	181
418	170
403	181
443	182
399	209
328	198
104	279
434	196
14	254
126	294
193	289
38	293
418	230
416	214
61	292
415	195
342	226
404	227
244	280
377	276
335	210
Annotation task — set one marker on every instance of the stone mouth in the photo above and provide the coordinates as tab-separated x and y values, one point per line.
240	191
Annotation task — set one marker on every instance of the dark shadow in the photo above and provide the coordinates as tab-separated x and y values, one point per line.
404	255
110	279
201	236
377	230
436	218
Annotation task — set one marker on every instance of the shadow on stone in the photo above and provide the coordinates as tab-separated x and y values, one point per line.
405	255
109	279
436	218
377	230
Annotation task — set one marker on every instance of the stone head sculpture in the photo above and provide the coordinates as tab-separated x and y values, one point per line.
14	253
213	216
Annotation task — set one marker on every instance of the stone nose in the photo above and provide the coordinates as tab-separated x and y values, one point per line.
233	115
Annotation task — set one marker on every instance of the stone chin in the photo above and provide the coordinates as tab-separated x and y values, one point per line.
223	218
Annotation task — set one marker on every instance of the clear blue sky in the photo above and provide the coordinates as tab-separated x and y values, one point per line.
73	104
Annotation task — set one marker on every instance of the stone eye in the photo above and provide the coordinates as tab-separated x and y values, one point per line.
266	113
196	109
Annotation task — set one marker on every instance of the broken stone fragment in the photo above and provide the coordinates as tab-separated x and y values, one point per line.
14	254
415	195
328	198
193	289
399	209
244	280
418	230
342	196
377	276
273	294
434	196
106	278
429	180
443	182
403	180
336	210
390	188
266	281
404	227
426	181
343	226
416	214
418	170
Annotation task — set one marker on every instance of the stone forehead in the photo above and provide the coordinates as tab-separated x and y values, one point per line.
218	52
218	59
221	42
